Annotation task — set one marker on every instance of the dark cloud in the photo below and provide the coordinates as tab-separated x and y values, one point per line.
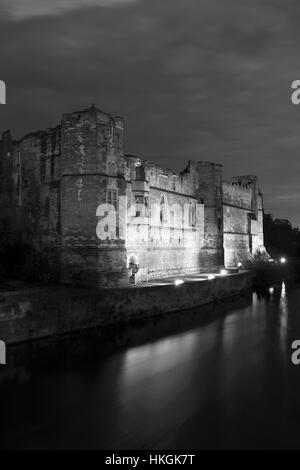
199	79
20	9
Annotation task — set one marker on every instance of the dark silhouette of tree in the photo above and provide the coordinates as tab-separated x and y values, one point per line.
281	238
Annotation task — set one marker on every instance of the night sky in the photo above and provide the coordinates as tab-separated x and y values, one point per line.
194	79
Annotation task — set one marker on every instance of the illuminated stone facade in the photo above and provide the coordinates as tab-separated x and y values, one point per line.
54	183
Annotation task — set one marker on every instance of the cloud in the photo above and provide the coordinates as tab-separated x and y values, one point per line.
22	9
288	197
194	79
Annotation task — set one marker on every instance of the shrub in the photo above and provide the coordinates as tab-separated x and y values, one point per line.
266	273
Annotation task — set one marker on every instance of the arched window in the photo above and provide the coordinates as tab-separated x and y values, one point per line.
162	210
172	226
140	173
111	129
192	214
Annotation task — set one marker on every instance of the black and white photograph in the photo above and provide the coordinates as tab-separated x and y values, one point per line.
149	227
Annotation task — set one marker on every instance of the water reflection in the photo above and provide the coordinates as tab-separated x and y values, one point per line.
216	377
283	317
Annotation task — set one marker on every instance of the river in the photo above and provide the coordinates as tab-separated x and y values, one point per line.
216	378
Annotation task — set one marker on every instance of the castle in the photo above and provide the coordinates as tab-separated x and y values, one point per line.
52	183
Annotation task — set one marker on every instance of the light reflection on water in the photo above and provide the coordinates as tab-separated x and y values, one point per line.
283	317
175	383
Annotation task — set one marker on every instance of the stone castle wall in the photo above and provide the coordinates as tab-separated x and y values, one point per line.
32	315
242	219
53	182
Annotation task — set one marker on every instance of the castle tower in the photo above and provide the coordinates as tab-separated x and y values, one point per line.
92	174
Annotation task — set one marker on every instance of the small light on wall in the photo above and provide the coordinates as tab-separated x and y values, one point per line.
178	282
223	272
239	265
211	276
271	290
282	260
271	260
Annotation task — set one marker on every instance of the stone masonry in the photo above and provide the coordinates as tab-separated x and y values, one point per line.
52	183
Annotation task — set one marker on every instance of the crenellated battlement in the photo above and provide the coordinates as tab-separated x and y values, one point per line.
238	194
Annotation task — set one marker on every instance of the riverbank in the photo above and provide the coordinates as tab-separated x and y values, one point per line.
40	313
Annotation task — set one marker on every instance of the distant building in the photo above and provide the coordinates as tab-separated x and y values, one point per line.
52	182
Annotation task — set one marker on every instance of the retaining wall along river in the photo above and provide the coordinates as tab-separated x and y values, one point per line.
40	313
